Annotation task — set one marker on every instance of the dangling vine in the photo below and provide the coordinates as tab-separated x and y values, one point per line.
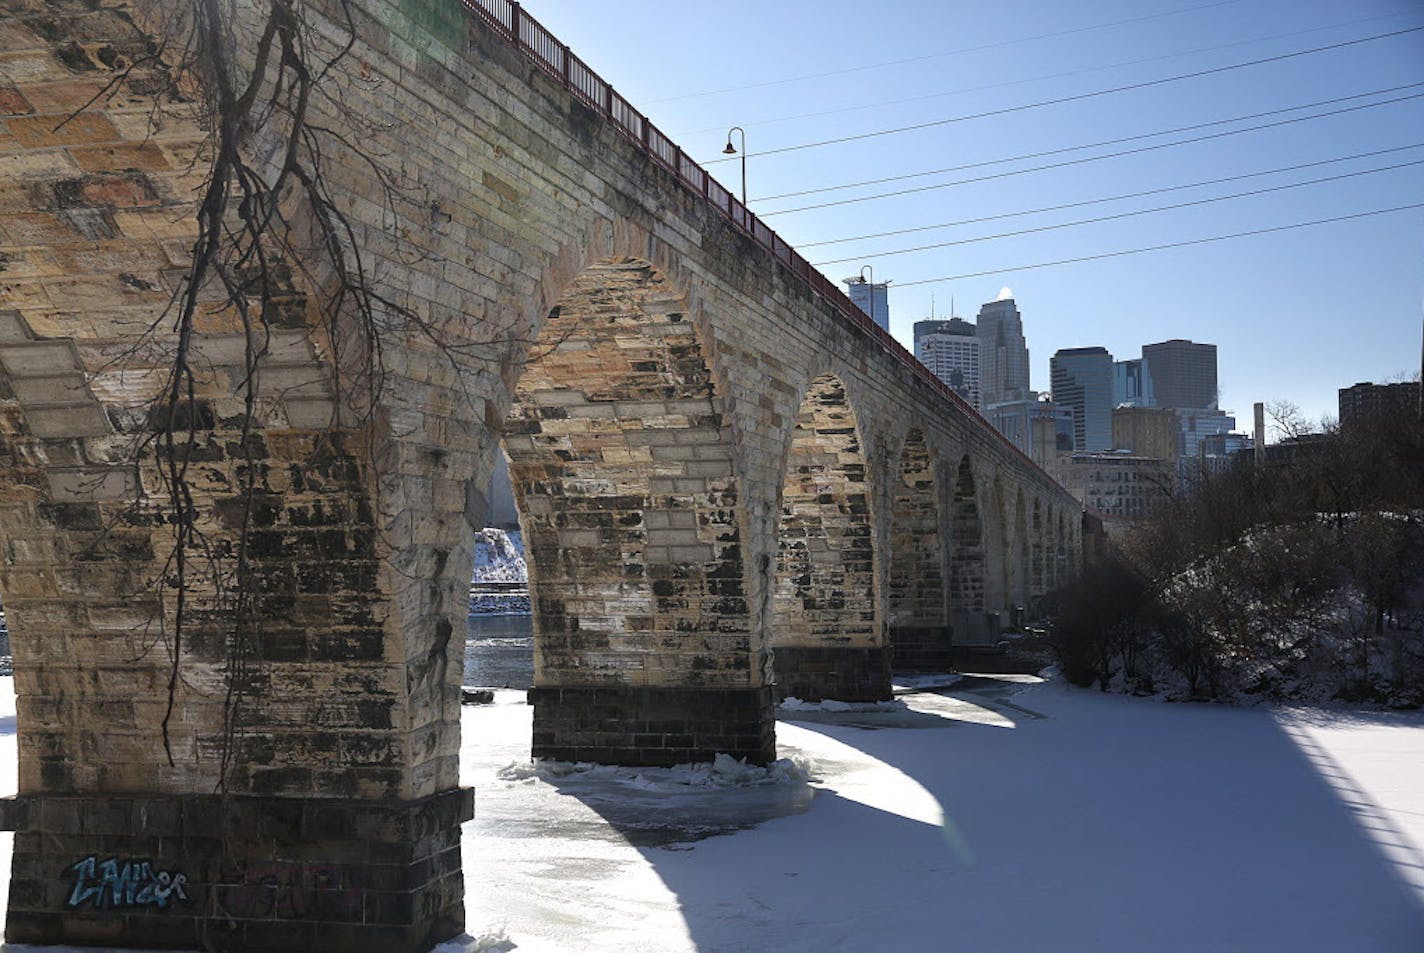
268	227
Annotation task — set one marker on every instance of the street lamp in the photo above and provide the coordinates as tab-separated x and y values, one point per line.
867	277
731	150
871	269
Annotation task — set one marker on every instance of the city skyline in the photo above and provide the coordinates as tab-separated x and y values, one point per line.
1269	301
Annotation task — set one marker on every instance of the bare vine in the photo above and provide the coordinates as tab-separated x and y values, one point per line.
263	78
269	225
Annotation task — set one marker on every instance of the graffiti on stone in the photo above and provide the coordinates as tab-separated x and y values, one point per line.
116	885
286	891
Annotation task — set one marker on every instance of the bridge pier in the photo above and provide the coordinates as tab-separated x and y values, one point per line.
829	638
332	733
245	872
664	726
622	461
281	773
968	568
919	630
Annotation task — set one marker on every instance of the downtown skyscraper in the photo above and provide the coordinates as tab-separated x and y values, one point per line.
1083	381
1183	374
950	349
872	297
1003	352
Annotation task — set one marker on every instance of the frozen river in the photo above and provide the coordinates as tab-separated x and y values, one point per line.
1000	815
997	815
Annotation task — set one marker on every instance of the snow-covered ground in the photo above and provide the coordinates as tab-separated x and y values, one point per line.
1000	814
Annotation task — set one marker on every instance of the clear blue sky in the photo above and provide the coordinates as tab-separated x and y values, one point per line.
1295	314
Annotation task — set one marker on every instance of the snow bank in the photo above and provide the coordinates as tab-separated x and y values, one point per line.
830	704
492	942
724	772
926	680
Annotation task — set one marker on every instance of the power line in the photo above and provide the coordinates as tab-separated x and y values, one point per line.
1121	215
1086	159
1151	248
1089	145
841	110
935	56
1197	74
1110	198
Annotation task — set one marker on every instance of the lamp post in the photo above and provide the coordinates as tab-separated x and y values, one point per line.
866	279
731	150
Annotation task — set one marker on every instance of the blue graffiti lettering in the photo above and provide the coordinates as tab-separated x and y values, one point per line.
111	885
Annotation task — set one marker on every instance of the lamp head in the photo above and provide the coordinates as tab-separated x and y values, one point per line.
731	150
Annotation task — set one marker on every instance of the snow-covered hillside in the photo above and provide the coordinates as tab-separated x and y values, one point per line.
499	557
499	584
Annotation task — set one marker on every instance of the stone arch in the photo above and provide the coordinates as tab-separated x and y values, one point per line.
919	634
1060	550
1019	560
999	582
622	463
828	638
968	562
1038	582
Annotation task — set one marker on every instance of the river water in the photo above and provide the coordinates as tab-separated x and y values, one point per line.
499	639
499	651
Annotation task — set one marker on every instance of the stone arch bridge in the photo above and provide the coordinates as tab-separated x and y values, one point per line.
733	486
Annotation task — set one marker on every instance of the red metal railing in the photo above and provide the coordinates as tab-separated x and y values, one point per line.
508	18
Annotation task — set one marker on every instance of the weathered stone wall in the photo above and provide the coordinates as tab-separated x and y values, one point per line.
667	387
826	600
622	466
919	625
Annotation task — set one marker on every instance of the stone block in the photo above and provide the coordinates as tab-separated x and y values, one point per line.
82	485
814	673
39	358
605	724
143	156
14	329
73	420
61	389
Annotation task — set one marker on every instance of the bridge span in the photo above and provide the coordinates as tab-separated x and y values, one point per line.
733	487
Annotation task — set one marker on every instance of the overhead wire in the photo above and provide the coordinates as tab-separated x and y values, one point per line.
881	104
1086	159
1121	215
1077	97
1110	198
1088	145
863	67
1152	248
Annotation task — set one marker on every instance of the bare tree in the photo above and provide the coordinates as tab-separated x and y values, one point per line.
1287	420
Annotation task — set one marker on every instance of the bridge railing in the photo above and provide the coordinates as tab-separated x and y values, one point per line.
508	18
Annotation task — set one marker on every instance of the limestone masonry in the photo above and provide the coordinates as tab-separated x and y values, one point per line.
729	491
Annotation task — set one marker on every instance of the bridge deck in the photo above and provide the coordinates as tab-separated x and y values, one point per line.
509	19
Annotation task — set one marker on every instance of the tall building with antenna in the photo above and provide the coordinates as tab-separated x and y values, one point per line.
950	348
